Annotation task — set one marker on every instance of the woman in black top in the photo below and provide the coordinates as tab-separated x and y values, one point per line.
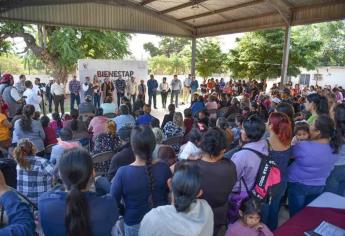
218	175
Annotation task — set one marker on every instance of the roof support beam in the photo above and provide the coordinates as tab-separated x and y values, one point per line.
283	8
184	5
247	4
145	2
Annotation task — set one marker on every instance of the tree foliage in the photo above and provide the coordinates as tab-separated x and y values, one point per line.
209	58
167	46
65	45
258	55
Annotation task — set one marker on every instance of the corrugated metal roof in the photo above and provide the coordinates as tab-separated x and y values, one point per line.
188	18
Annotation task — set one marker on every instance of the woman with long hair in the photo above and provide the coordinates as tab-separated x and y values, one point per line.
34	174
31	129
336	181
77	210
316	105
192	216
141	185
279	144
314	161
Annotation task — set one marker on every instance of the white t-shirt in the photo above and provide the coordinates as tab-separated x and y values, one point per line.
33	99
189	149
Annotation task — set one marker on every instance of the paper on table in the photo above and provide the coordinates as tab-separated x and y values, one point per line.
327	229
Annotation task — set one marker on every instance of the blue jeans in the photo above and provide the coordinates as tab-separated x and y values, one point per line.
336	181
132	230
152	96
301	195
270	212
97	100
74	98
174	93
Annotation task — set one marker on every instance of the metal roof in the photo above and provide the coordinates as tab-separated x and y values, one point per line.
190	18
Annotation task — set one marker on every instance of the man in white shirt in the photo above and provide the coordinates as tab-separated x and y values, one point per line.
186	89
132	88
58	93
31	96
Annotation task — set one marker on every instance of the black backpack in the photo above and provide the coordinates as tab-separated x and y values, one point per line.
267	179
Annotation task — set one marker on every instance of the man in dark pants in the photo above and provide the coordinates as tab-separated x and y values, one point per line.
49	96
74	88
58	92
120	85
152	86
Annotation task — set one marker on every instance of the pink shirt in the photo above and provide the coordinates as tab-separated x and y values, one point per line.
238	229
98	125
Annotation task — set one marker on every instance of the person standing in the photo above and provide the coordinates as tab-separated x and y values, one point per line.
87	88
74	89
31	96
10	95
132	89
152	86
120	85
96	92
194	85
20	85
186	88
107	89
142	90
164	88
58	92
49	95
176	87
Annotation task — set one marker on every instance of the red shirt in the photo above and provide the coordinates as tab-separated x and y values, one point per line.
50	136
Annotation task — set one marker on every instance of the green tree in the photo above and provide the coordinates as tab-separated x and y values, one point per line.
167	46
209	58
258	55
332	34
11	63
65	45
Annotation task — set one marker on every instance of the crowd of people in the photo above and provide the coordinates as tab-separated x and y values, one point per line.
189	174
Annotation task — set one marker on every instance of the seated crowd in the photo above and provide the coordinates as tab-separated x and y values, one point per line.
192	175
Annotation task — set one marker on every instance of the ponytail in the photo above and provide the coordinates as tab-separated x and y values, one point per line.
24	149
335	142
26	120
151	181
77	213
322	107
327	130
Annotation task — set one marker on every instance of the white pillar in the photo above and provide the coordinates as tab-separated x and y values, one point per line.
285	62
193	55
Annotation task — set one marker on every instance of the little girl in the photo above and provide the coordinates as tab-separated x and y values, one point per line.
249	223
301	132
56	123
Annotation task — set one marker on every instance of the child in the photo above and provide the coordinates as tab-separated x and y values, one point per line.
249	223
56	123
188	120
190	150
301	132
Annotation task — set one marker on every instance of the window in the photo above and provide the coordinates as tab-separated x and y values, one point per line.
304	79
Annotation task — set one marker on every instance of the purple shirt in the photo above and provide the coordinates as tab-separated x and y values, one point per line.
247	164
74	86
238	229
313	163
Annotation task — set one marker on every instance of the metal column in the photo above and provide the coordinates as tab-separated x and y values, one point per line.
193	55
286	51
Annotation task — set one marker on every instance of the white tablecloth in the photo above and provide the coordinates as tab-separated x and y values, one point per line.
330	200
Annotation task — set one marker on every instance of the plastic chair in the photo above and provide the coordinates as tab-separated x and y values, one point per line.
101	162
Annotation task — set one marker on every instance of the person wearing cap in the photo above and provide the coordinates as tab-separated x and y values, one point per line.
10	95
87	106
125	155
275	102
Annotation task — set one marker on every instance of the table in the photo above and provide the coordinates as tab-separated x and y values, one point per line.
327	207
